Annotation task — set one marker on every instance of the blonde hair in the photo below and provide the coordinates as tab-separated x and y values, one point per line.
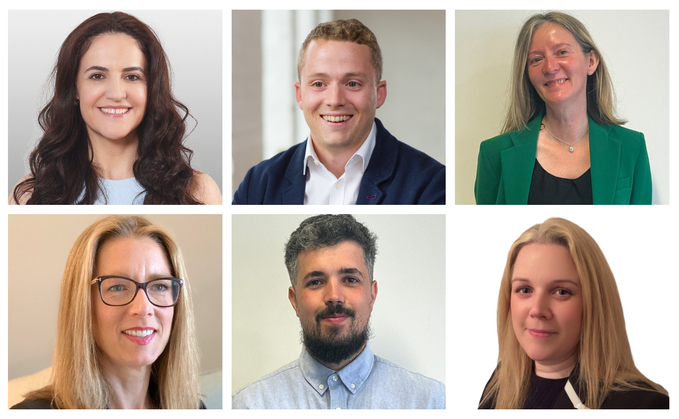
350	30
525	103
78	381
604	356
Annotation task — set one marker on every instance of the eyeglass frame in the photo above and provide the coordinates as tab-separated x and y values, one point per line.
98	280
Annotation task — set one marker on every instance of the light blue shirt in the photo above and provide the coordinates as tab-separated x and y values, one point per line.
120	192
368	382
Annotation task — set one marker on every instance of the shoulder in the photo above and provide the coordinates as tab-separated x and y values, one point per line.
26	195
498	143
629	139
278	164
429	392
259	394
34	404
636	399
205	189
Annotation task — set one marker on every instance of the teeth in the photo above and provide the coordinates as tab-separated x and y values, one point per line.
116	111
138	333
555	82
336	118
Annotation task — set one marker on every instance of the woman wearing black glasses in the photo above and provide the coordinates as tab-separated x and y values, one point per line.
125	333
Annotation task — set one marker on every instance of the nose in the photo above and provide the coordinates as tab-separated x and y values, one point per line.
540	307
115	90
141	306
335	97
333	292
551	65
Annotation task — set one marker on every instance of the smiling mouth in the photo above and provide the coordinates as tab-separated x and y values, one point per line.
339	118
115	111
555	82
540	333
139	333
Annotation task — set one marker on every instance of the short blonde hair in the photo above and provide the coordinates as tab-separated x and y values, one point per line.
350	30
78	381
604	356
525	104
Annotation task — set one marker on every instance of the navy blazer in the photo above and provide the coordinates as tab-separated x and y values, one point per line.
396	174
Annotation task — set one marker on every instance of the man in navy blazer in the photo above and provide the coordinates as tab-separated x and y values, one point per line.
349	157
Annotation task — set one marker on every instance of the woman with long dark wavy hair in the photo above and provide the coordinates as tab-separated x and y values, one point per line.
113	131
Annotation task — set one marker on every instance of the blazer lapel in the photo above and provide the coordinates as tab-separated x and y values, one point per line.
604	155
380	168
294	193
518	163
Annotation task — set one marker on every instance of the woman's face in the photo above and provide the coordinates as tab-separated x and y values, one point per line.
546	305
111	86
557	67
114	327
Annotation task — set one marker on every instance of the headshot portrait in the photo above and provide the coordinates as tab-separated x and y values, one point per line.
108	108
565	114
121	312
339	313
574	313
326	125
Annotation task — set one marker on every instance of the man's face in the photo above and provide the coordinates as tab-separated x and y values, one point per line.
339	94
333	299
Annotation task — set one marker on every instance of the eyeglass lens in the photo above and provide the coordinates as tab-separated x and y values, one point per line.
120	291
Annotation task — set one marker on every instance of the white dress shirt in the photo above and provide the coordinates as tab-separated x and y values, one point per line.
323	188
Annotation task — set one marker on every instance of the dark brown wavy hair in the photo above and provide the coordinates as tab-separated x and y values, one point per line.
61	165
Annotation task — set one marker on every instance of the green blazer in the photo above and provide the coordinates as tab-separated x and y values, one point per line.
621	173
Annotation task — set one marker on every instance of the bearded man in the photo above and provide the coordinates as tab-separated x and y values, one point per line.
330	261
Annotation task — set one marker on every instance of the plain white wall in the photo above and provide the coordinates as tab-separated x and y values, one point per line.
38	249
408	319
640	251
413	49
193	44
635	45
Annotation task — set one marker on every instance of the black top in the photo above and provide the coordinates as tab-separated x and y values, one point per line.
47	404
548	189
543	392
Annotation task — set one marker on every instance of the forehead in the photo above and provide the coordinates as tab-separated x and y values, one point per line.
544	262
113	48
130	252
330	57
329	259
552	33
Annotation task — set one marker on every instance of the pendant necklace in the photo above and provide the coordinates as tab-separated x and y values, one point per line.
570	146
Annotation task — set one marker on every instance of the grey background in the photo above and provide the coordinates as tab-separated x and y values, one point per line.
38	249
408	318
192	41
413	50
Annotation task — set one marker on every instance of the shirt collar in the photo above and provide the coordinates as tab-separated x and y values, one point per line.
352	376
365	151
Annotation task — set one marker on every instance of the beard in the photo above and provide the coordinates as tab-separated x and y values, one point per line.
329	347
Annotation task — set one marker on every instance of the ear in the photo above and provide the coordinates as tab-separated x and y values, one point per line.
293	299
381	93
593	62
373	294
298	94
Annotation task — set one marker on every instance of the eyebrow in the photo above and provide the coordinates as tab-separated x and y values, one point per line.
344	271
343	75
126	69
557	281
563	44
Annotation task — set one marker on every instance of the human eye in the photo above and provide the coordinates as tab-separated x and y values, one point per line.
354	84
352	280
116	286
159	287
522	290
317	84
96	76
133	77
314	283
563	292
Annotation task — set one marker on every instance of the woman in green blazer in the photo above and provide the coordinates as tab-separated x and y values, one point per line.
561	142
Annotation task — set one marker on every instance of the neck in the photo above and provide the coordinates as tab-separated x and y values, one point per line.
114	159
335	159
130	386
338	366
567	123
559	369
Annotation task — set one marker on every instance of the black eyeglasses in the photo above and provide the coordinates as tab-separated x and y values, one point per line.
120	291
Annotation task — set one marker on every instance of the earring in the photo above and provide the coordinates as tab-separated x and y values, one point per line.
77	102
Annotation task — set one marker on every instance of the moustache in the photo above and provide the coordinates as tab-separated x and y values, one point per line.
334	310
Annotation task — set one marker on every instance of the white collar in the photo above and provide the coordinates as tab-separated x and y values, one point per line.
365	151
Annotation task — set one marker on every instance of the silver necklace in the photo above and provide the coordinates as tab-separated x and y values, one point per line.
570	146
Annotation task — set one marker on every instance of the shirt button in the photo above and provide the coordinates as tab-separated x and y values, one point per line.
334	378
316	162
353	386
321	386
337	185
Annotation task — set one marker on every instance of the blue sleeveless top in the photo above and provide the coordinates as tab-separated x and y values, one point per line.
120	192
